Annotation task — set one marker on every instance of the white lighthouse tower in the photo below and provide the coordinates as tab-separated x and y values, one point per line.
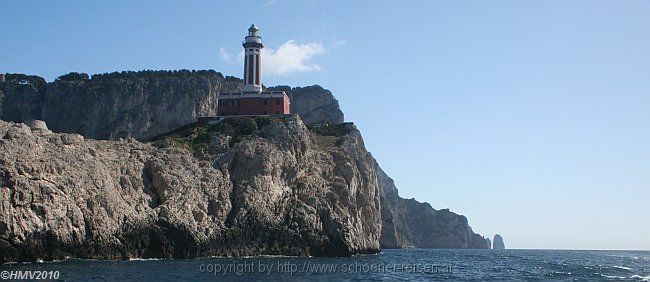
252	101
253	61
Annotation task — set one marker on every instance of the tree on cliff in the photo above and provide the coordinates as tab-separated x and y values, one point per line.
73	76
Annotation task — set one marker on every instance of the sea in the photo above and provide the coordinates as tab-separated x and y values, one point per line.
404	265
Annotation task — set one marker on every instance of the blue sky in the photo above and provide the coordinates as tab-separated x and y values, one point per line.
529	117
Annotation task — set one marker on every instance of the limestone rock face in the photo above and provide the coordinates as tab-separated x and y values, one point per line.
306	193
2	96
489	243
313	103
275	191
118	105
498	243
139	104
22	97
407	223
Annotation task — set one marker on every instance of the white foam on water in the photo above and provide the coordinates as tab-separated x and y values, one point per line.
622	267
613	277
144	259
643	278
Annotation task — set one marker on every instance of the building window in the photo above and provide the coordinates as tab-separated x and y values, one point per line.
258	63
250	69
234	114
266	102
235	103
277	112
277	102
266	113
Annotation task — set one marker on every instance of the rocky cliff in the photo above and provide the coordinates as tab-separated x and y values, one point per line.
407	223
313	103
138	104
498	243
114	194
241	187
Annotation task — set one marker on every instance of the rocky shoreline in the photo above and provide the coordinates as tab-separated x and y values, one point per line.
245	187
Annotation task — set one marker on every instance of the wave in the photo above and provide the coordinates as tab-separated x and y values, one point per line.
147	259
643	278
613	276
251	257
622	267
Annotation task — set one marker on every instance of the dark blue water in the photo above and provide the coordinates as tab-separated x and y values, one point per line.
413	264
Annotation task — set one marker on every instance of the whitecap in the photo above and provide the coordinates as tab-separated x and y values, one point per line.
145	259
612	276
643	278
622	267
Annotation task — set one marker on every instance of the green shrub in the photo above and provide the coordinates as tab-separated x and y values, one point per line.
263	121
195	136
73	76
337	130
237	126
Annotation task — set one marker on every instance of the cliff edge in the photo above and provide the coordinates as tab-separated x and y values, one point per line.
195	191
141	104
241	187
407	223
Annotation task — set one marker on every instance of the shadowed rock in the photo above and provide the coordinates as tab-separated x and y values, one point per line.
278	189
184	197
407	223
498	243
138	104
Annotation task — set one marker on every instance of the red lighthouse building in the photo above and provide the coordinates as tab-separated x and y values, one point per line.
252	101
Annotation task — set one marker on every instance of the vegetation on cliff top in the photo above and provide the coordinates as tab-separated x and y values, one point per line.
75	76
330	129
21	79
197	135
328	135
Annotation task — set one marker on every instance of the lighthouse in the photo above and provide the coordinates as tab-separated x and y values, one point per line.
253	60
253	100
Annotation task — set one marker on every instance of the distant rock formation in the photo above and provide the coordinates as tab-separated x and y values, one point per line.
407	223
498	243
489	243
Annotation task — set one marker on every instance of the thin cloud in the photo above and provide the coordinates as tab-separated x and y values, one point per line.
338	42
240	57
292	58
271	2
223	53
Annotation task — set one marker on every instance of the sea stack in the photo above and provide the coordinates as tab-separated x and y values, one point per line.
498	243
